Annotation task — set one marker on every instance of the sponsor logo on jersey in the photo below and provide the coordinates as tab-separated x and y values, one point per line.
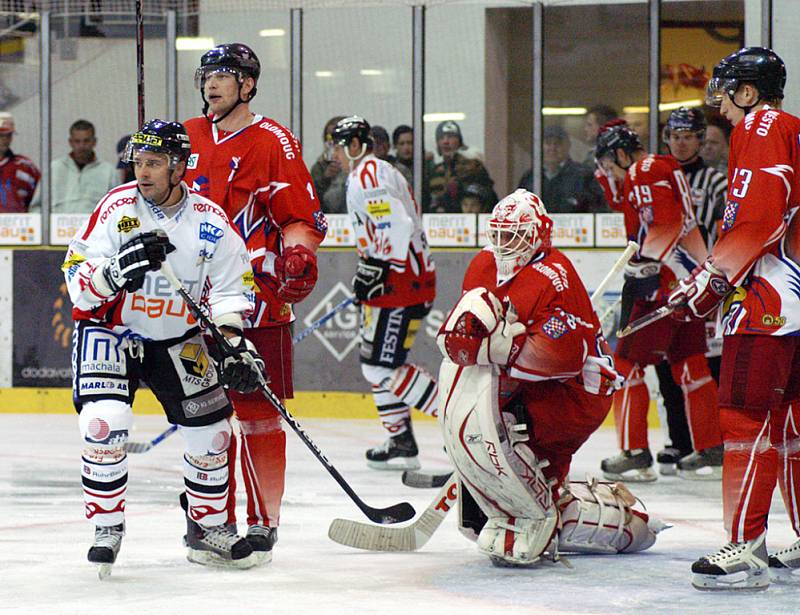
379	209
768	320
194	359
192	162
73	259
205	403
204	257
127	224
249	280
201	185
209	232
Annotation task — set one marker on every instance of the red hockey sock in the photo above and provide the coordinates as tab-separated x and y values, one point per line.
786	437
263	461
699	400
631	404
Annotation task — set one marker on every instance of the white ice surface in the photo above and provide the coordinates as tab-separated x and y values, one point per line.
44	538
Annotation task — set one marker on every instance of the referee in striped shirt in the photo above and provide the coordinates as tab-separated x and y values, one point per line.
683	135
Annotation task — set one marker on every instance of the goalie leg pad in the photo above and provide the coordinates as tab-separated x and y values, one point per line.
205	472
600	518
104	427
489	451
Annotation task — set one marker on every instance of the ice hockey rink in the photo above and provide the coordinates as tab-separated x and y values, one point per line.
44	539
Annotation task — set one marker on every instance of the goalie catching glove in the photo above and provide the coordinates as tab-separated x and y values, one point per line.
241	367
481	331
369	280
127	268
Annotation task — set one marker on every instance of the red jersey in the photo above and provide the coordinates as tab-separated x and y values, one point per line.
564	339
759	242
18	180
258	177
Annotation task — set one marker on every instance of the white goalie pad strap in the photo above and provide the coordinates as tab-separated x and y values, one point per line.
486	447
518	540
600	518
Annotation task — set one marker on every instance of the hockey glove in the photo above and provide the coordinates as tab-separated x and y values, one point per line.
699	294
296	270
642	281
239	371
145	252
368	282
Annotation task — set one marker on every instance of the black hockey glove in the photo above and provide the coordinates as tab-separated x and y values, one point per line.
145	252
368	282
642	281
240	370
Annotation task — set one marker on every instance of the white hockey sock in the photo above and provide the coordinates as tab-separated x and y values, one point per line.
415	387
392	411
105	480
206	480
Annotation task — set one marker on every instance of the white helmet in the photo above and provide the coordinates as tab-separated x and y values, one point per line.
518	229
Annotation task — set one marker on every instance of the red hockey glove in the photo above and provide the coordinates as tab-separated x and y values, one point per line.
296	270
699	294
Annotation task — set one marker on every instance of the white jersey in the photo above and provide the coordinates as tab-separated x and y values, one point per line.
210	259
388	227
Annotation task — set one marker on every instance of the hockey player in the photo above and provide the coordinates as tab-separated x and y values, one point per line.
755	265
527	377
253	167
394	283
131	325
19	177
683	135
660	218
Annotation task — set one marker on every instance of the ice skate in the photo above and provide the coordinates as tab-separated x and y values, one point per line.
261	539
784	565
630	466
737	566
702	465
107	541
219	545
667	460
397	453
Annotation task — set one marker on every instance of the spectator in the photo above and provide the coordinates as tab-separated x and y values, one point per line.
638	122
381	144
715	146
568	187
329	179
403	141
79	179
475	199
18	175
458	168
124	169
595	118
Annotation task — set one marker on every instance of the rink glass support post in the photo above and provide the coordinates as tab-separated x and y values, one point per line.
296	63
537	76
45	126
655	72
766	23
171	63
418	96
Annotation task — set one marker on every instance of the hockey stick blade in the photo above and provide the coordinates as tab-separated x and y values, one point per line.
424	480
393	514
143	447
396	539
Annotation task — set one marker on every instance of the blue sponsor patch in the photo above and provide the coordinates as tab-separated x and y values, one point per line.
201	185
554	327
209	232
729	217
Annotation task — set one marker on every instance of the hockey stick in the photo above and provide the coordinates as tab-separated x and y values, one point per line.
409	538
392	514
415	535
647	319
140	61
317	324
425	480
143	447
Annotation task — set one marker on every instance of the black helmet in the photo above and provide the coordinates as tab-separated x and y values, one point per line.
349	127
616	135
757	65
160	137
235	58
685	119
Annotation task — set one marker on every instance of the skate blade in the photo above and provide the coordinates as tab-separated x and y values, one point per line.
667	469
705	473
207	558
103	571
499	562
743	581
395	464
262	557
640	475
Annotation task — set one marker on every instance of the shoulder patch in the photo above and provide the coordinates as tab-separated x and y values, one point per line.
554	327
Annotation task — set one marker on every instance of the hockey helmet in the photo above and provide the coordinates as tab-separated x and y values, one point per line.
757	65
518	228
234	58
684	119
350	127
613	136
160	137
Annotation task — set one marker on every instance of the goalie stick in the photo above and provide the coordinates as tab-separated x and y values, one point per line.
415	535
143	447
392	514
424	480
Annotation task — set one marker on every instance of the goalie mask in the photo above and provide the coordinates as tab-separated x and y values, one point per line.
518	229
